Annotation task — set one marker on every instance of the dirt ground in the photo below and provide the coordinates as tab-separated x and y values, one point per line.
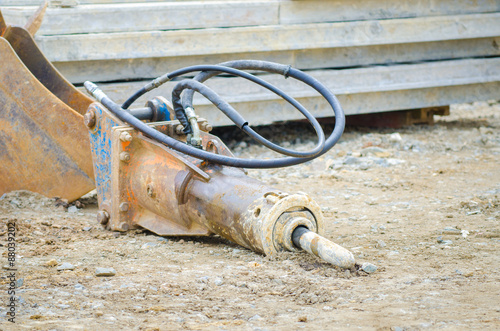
421	203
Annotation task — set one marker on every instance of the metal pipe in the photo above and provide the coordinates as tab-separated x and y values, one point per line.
145	113
323	248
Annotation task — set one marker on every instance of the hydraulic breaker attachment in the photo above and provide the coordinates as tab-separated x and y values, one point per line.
44	145
144	184
175	179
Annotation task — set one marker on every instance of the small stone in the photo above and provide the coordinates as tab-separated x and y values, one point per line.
368	267
474	212
66	266
87	228
149	245
19	282
380	244
163	239
105	272
302	319
79	287
255	318
218	281
51	263
72	209
395	137
61	202
63	306
351	160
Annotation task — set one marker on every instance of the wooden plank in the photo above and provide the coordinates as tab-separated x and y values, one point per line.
114	70
362	90
91	2
267	38
314	11
148	16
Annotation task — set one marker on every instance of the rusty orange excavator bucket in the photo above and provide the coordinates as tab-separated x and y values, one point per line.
44	144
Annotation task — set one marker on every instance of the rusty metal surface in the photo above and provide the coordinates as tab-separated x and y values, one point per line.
43	142
35	21
145	184
3	25
31	56
142	183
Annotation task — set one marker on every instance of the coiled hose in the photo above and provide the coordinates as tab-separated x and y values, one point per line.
189	86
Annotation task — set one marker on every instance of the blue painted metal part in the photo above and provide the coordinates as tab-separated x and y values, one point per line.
100	141
162	109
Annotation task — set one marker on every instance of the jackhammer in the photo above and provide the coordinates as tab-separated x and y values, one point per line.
159	168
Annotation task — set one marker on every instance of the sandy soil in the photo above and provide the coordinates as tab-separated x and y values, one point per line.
421	203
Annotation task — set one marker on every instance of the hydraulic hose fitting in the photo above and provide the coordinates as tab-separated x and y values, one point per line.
94	90
195	138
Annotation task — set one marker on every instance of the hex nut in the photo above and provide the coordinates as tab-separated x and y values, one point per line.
89	118
123	206
103	217
179	129
206	127
125	136
124	156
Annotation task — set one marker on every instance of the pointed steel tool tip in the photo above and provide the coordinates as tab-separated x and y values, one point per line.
323	248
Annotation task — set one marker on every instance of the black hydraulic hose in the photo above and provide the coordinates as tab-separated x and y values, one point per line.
228	110
241	123
216	158
134	97
286	71
275	68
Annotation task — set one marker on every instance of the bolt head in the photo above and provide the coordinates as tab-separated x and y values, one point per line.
124	156
125	136
103	217
179	129
207	127
124	226
123	206
89	118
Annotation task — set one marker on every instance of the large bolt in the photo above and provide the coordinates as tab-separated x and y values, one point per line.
103	217
179	129
123	226
206	127
89	118
124	156
125	136
123	206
